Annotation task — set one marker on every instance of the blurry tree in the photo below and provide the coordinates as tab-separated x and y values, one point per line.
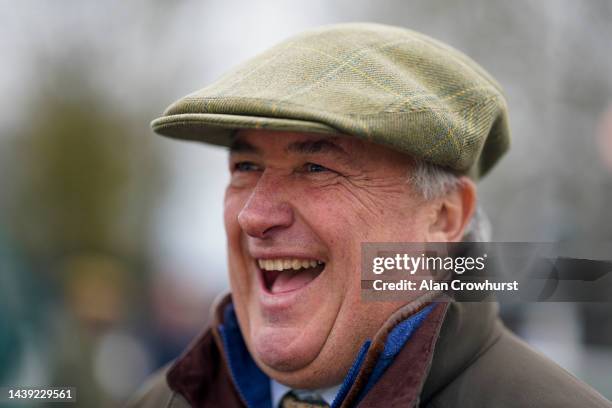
85	178
83	183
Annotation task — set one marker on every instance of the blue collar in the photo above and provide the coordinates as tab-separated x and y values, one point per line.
254	385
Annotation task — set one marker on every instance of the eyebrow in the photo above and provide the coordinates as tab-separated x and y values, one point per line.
240	146
305	147
316	146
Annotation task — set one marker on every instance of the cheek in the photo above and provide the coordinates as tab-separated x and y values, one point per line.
232	205
383	217
333	217
335	224
348	213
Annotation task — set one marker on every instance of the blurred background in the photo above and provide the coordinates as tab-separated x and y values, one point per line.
111	239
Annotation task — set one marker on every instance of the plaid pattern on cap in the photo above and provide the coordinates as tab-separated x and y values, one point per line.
384	84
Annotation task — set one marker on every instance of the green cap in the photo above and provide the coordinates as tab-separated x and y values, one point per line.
388	85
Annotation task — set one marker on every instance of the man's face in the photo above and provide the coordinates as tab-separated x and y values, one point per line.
297	208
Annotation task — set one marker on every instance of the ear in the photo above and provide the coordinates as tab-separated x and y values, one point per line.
452	213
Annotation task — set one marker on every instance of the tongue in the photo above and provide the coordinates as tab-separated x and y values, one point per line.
291	280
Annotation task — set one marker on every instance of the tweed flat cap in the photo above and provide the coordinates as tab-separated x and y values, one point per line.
384	84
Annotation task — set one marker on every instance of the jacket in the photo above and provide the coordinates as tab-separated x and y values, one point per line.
460	355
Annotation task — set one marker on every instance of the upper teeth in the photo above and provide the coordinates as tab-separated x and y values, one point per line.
286	263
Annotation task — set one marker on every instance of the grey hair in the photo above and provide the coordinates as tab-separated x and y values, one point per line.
432	181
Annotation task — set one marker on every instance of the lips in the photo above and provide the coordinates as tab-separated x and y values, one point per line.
282	275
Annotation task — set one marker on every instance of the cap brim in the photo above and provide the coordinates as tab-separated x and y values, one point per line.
217	129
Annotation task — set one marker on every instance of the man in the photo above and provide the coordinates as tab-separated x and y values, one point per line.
343	135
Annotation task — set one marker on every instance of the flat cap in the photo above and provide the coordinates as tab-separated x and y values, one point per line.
385	84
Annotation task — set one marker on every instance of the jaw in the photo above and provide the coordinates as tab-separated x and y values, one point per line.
288	343
318	360
284	349
303	339
301	363
289	335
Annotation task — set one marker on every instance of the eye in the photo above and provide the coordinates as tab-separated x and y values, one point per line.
315	168
246	166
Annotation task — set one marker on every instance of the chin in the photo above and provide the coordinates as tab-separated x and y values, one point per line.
283	349
296	361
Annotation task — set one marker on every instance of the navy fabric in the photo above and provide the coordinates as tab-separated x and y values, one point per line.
352	374
254	385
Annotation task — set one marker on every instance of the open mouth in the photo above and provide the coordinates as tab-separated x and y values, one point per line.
288	274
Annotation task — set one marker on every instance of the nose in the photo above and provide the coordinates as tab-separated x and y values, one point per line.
266	211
